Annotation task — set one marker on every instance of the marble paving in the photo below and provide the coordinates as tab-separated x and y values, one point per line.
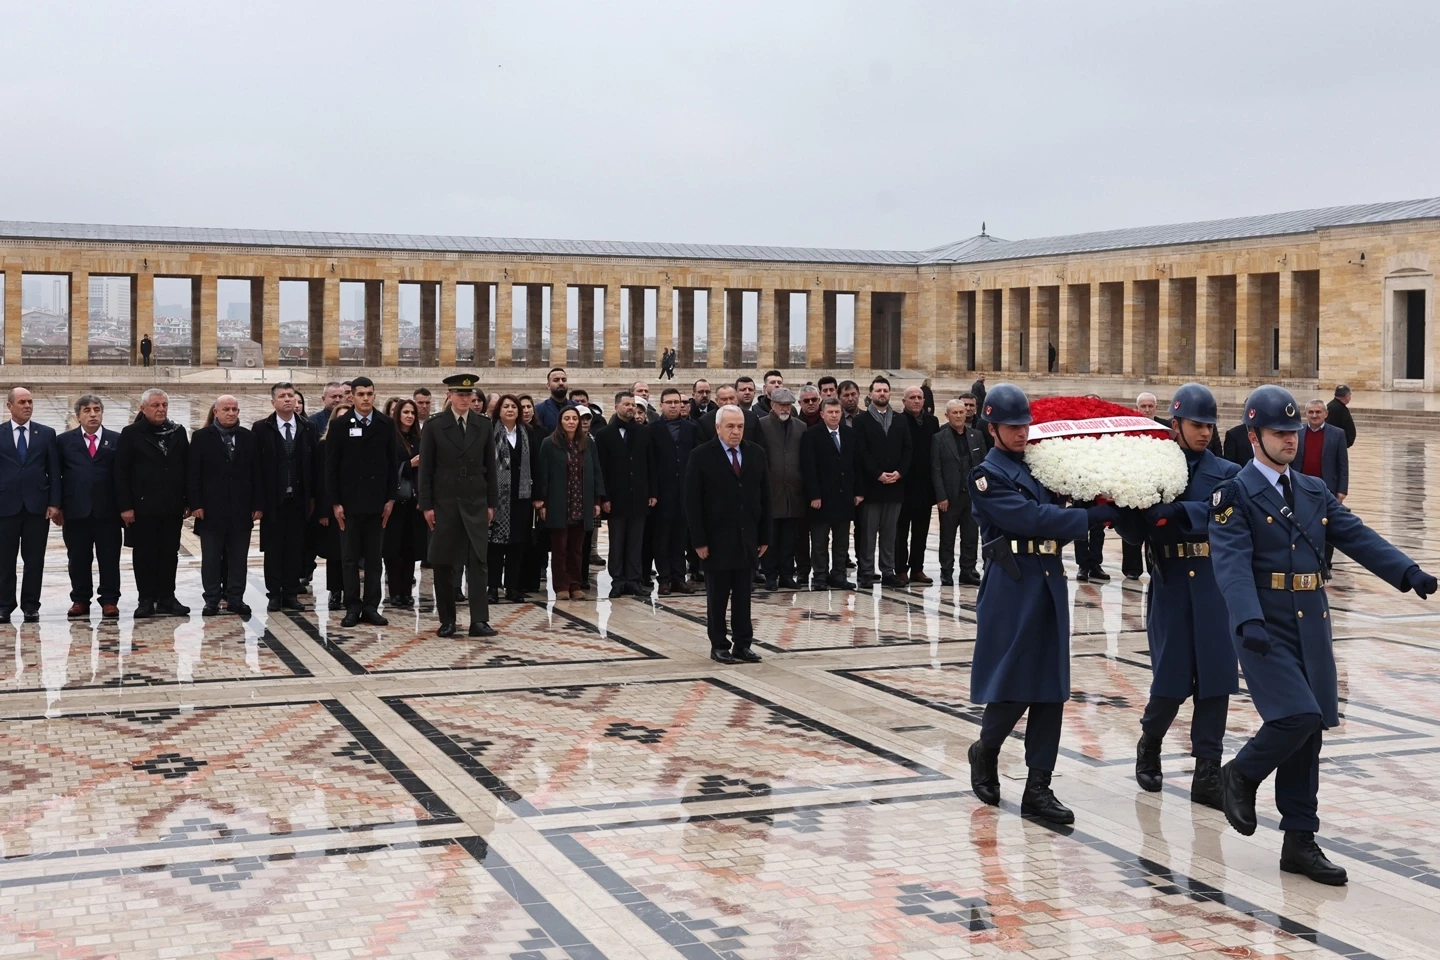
588	784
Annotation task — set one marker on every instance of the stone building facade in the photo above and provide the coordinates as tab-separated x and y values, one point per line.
1339	294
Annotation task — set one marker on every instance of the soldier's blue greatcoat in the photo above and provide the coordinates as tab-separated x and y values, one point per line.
1022	644
1190	647
1250	538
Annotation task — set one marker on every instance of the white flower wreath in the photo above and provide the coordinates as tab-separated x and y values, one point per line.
1133	471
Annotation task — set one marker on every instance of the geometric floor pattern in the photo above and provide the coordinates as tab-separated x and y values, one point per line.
589	784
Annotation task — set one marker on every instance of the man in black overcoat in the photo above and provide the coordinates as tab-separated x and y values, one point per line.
919	502
672	437
29	500
830	464
285	445
362	462
727	504
225	500
727	394
151	462
627	462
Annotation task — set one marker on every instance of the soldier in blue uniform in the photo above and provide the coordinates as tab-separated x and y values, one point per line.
1022	643
1268	530
1190	649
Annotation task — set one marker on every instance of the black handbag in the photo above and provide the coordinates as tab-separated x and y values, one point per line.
404	489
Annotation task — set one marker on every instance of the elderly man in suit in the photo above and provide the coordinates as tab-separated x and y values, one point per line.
1324	453
90	515
458	499
225	500
781	434
727	504
152	458
727	394
830	464
954	451
362	460
29	500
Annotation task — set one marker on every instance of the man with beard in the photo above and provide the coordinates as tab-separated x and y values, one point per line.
225	499
780	437
627	462
919	502
547	411
886	452
745	394
772	380
151	463
700	402
849	393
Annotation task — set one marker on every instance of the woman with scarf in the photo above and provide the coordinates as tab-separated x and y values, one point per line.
405	532
568	496
516	464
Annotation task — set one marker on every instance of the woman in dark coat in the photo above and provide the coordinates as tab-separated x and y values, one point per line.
326	534
512	530
405	533
568	497
537	551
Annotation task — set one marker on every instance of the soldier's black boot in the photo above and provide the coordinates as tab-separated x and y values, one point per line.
1039	800
985	773
1237	798
1147	764
1205	784
1301	854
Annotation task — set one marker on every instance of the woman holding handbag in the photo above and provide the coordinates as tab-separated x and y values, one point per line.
569	496
516	466
404	533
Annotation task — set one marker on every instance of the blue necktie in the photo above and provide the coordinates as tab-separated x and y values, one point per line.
835	435
22	446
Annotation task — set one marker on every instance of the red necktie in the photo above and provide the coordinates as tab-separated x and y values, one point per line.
90	439
735	460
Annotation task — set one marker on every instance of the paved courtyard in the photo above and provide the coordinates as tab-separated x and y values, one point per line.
588	784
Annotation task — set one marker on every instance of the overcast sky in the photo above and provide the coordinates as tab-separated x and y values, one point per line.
880	125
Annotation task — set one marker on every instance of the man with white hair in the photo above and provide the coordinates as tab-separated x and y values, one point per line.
226	500
151	467
781	434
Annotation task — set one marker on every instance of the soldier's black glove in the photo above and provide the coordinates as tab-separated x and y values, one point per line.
1131	526
1101	514
1255	638
1162	513
1421	582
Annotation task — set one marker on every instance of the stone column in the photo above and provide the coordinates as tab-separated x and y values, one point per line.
984	330
585	326
637	326
445	329
483	316
80	318
559	323
816	302
1067	350
257	311
14	307
142	313
664	319
1014	317
765	351
829	333
375	291
864	314
715	345
1099	328
782	330
1132	324
266	292
534	324
208	289
505	324
612	324
428	331
1207	327
735	330
685	350
1167	333
1248	314
1291	326
1038	361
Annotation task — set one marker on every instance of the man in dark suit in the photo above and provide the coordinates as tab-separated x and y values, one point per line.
919	502
1237	447
700	402
781	434
885	455
225	500
90	516
1338	414
954	451
152	458
830	464
458	497
285	446
727	504
1323	453
728	395
362	460
29	500
673	438
627	462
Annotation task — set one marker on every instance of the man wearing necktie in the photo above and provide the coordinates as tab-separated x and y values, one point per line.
285	445
362	462
1269	527
90	513
830	464
29	500
727	504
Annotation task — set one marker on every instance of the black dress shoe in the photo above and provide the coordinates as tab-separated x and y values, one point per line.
969	578
722	656
1147	764
746	656
1237	798
1301	854
446	630
840	583
143	610
274	604
493	595
985	773
292	603
352	619
788	583
210	610
32	616
891	580
372	616
618	590
5	617
1096	573
1205	784
481	629
1082	576
1039	800
460	597
172	608
514	596
772	584
337	598
946	580
241	610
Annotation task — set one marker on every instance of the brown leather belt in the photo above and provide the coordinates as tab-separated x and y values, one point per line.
1295	581
1185	550
1045	547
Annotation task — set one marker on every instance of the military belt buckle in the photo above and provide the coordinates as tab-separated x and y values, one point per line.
1047	547
1199	549
1306	581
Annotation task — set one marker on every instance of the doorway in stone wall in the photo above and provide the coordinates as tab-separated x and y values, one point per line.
1406	340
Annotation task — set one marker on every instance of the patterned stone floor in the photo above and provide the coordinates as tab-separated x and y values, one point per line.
588	784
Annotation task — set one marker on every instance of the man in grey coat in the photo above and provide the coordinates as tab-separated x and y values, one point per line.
1324	453
954	451
457	497
780	434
